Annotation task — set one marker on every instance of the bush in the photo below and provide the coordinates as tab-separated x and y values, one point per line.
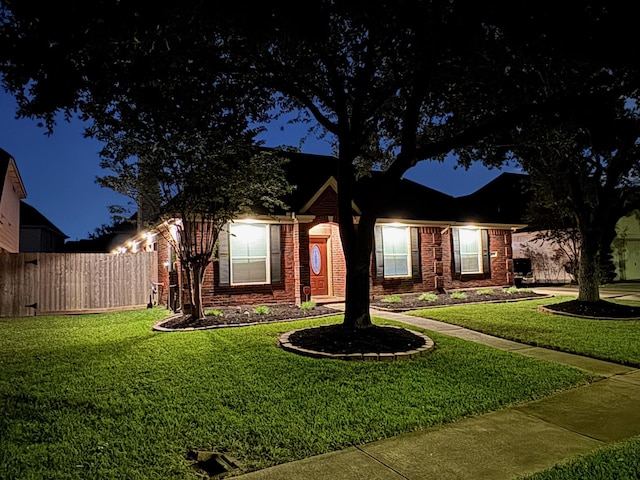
512	290
485	291
392	299
261	310
458	296
307	305
428	297
213	313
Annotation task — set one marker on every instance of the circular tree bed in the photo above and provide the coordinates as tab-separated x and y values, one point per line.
602	309
376	342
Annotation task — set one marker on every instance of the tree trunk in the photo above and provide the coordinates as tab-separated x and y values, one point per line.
196	278
588	278
358	260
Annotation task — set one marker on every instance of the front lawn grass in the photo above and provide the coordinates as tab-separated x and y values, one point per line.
614	340
620	461
103	396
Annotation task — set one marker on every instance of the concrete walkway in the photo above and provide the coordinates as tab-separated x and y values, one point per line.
499	445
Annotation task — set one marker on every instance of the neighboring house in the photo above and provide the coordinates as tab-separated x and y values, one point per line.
507	195
37	233
11	192
626	247
548	258
425	240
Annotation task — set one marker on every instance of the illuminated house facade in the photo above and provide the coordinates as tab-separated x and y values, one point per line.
425	240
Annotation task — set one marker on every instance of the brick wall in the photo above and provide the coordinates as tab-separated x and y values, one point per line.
501	263
163	271
326	204
437	265
339	266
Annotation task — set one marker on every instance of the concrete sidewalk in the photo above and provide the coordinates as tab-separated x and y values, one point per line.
499	445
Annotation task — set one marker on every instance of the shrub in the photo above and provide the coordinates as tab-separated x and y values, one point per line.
392	299
514	289
307	305
261	310
213	313
458	295
485	291
428	297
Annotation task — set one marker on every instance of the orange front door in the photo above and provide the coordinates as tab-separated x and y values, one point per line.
318	264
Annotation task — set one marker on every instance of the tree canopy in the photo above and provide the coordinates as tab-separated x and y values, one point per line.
585	176
394	82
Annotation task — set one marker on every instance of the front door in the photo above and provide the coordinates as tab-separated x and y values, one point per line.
318	261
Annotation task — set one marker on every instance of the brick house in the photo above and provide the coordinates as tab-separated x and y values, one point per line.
425	240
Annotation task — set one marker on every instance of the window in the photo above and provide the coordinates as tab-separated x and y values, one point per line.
470	250
396	251
249	252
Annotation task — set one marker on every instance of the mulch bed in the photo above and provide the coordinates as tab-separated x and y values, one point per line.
412	301
246	315
340	340
601	309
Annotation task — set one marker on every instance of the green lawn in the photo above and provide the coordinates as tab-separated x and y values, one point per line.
617	341
102	396
620	461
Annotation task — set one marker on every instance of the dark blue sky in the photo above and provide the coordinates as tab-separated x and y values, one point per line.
59	171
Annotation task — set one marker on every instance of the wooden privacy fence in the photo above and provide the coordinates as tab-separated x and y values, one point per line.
52	283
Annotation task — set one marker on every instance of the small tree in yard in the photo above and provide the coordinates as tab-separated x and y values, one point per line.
196	185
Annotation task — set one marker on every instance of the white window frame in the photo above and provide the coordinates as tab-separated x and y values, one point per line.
407	256
464	235
267	256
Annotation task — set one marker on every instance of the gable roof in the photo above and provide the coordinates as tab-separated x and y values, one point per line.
310	174
30	217
405	199
502	201
8	167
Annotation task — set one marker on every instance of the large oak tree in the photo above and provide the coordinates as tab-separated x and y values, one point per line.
395	83
584	176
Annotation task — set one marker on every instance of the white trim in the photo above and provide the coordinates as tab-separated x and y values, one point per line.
330	183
